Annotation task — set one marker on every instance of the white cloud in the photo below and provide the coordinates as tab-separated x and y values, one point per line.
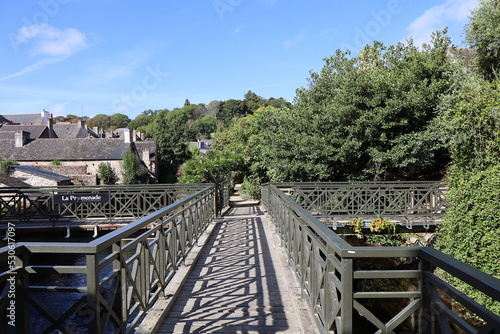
50	41
294	40
53	44
438	17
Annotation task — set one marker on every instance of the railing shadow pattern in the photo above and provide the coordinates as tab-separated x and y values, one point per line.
233	287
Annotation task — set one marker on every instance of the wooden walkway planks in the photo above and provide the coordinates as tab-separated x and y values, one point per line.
240	283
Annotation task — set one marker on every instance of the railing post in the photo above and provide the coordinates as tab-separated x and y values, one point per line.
119	301
425	316
22	284
93	304
346	296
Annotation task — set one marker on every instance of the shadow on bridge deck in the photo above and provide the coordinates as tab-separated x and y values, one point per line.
240	283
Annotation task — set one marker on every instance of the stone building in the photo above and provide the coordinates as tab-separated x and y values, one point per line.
69	149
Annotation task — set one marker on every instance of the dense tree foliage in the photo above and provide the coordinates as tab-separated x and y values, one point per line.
482	35
361	118
204	127
469	125
106	173
102	121
171	132
134	171
119	120
470	230
221	165
141	121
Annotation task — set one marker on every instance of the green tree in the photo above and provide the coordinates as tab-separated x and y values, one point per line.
229	110
134	172
253	101
222	165
204	126
141	120
483	36
469	123
106	173
119	120
171	132
364	117
101	121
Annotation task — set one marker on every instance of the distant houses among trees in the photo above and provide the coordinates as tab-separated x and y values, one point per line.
68	149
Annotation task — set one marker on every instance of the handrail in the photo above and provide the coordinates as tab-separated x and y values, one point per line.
332	276
380	199
123	273
112	203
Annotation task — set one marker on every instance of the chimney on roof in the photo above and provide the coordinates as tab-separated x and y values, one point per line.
127	135
145	156
45	115
21	137
50	123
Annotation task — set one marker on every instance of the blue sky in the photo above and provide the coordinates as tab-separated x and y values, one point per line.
88	57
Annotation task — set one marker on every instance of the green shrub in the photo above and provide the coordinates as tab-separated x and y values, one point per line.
106	173
471	227
5	164
134	172
250	188
357	225
55	162
380	225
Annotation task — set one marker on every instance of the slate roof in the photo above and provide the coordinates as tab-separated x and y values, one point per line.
75	149
69	130
25	119
7	134
4	120
141	146
9	181
41	173
36	131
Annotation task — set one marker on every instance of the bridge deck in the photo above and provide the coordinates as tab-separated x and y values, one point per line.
240	283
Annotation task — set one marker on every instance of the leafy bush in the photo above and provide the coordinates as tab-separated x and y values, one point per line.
55	162
134	172
471	227
380	225
5	164
106	173
357	225
250	188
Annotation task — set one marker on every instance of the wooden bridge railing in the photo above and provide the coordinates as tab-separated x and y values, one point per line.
105	203
116	278
382	199
342	282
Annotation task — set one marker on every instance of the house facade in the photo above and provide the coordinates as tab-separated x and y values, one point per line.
71	150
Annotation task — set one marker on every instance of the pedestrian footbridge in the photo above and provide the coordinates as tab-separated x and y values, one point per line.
201	265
